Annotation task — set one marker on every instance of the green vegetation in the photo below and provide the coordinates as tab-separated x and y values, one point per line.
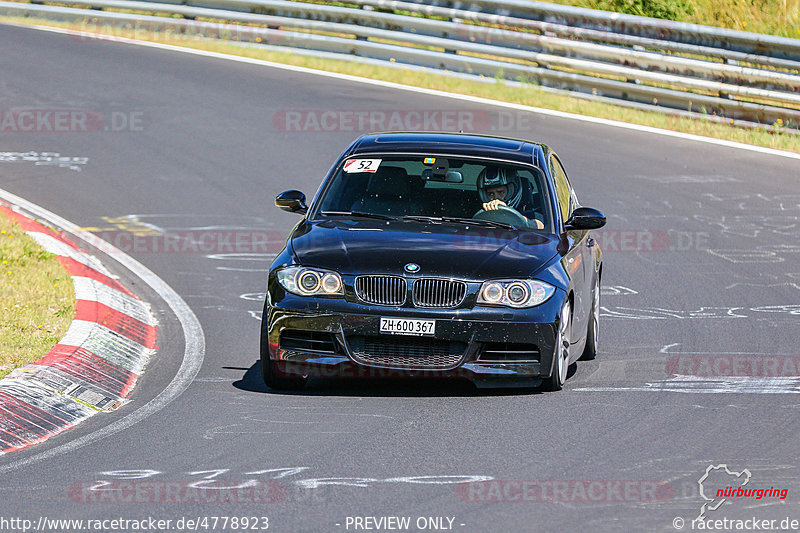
37	301
773	17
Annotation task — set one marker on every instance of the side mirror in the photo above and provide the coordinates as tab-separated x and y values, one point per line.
292	201
585	218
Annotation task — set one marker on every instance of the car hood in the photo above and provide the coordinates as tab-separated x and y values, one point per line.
452	250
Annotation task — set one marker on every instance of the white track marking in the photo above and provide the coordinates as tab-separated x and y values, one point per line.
38	394
704	385
44	158
65	385
233	269
254	296
194	349
430	92
616	290
113	346
93	290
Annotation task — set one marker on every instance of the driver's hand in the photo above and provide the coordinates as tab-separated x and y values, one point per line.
493	205
539	223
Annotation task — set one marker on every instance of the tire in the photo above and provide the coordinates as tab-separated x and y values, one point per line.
593	332
276	380
561	364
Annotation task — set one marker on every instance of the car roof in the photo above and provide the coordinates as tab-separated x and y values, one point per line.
464	144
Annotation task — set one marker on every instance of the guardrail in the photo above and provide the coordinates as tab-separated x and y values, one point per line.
662	30
716	73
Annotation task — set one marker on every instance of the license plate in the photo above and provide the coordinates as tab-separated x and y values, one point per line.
408	326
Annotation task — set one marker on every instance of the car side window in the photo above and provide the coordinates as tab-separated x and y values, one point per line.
563	190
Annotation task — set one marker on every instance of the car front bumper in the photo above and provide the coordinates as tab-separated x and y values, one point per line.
470	332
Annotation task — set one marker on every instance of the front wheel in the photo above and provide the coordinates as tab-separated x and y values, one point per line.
277	380
590	352
561	352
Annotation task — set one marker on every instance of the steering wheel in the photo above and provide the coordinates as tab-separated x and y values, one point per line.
503	213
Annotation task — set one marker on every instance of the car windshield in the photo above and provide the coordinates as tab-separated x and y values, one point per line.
437	188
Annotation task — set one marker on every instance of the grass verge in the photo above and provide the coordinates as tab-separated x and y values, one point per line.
497	89
37	300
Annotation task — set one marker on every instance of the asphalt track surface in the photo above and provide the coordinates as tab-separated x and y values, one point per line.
720	285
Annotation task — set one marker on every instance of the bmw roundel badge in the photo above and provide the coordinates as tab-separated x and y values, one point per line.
411	268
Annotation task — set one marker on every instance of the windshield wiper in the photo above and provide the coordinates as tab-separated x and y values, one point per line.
357	214
478	222
475	221
421	218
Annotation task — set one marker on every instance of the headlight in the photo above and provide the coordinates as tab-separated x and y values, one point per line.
492	293
515	292
310	281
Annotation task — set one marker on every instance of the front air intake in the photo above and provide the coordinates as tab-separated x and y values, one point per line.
406	352
508	352
307	341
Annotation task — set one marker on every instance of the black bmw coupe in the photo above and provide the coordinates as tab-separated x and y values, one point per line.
436	254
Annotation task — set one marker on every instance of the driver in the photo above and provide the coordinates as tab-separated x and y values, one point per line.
501	186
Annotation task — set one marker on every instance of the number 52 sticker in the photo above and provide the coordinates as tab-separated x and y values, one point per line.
353	166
